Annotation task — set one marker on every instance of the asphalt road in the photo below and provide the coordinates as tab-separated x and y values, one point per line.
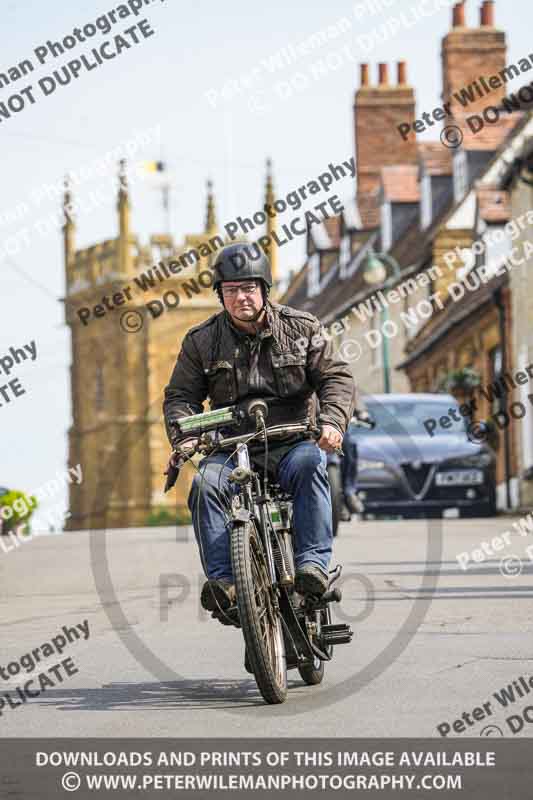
432	640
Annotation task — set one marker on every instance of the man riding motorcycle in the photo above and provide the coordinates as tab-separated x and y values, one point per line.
253	348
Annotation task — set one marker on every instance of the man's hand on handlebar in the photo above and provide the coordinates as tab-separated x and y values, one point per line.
186	446
330	439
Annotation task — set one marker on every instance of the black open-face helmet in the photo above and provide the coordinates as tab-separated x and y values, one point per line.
242	262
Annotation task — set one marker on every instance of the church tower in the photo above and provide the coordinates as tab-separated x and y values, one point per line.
124	345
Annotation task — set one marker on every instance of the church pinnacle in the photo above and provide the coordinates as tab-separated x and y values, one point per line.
210	219
271	223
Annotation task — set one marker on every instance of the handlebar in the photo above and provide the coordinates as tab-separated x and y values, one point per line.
205	444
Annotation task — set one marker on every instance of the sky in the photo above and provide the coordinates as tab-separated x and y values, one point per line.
227	86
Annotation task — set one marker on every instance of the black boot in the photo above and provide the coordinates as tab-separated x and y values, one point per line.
217	595
310	579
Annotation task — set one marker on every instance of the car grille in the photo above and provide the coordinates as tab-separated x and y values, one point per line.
416	477
383	494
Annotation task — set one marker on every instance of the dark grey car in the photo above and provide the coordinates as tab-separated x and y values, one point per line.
402	470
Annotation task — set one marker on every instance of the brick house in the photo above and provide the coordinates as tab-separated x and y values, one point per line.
417	202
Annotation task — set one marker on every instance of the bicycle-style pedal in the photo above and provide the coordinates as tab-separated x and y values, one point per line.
336	634
332	596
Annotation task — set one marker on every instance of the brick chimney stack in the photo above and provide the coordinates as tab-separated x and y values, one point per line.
402	73
378	110
459	19
468	55
487	14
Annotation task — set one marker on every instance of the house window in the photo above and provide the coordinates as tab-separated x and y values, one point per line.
426	202
498	246
412	321
99	388
460	175
345	254
313	281
496	364
386	227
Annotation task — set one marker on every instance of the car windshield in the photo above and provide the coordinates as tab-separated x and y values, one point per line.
407	418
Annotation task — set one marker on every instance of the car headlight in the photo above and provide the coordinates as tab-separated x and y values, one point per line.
363	463
480	460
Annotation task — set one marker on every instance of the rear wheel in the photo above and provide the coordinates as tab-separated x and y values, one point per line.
259	617
313	674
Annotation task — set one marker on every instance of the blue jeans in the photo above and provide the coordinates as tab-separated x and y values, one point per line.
301	471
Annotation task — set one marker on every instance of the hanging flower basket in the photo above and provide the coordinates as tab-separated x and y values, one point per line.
461	381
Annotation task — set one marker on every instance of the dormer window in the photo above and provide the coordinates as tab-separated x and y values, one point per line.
460	175
313	275
386	226
426	202
345	254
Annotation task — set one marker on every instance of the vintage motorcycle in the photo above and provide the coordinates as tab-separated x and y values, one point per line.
282	630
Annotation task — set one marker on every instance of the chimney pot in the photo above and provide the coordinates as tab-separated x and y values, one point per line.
459	18
402	73
364	75
383	74
487	14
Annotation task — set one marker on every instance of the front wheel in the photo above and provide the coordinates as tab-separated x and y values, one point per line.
259	616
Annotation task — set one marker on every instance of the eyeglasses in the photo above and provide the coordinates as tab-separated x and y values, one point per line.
232	291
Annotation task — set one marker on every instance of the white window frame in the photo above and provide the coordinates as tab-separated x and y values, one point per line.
345	254
460	175
313	275
426	202
386	226
496	253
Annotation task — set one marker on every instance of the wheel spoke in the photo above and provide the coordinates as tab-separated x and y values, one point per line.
269	628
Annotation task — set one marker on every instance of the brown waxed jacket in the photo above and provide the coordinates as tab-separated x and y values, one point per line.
284	364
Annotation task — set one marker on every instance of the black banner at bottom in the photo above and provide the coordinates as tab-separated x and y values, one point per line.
201	768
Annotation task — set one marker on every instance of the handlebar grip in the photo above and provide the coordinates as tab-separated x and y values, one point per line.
317	432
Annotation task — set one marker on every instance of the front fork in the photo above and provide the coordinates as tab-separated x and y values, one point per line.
243	463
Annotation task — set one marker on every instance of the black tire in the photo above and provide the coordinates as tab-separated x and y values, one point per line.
335	485
313	674
264	641
492	510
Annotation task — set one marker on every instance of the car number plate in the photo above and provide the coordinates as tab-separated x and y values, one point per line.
460	477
